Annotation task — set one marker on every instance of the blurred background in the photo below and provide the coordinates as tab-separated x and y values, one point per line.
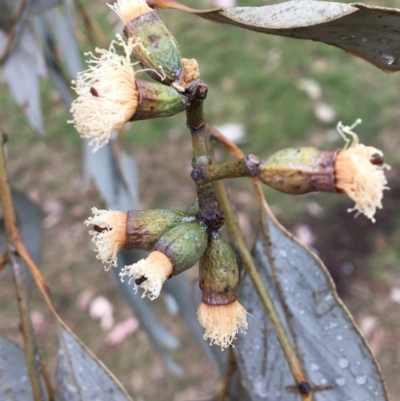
267	93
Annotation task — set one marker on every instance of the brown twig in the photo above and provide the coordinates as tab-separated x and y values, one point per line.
3	261
30	348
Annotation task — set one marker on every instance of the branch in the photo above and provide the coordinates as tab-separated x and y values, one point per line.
245	167
30	348
210	212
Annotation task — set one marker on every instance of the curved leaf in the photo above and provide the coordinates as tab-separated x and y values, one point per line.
80	376
368	32
14	379
30	226
337	361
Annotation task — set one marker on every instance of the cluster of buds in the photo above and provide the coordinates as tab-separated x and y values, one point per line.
176	241
109	95
356	170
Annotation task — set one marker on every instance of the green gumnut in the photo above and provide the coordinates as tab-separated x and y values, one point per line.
159	50
156	100
184	244
145	227
299	170
219	273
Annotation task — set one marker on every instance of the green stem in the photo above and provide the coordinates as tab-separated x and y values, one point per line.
246	167
210	211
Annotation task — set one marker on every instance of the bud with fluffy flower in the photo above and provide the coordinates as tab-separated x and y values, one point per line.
356	170
159	52
109	95
135	229
176	251
220	313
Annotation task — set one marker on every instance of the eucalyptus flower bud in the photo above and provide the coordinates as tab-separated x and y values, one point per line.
220	313
109	95
135	229
145	227
158	52
176	251
356	170
299	170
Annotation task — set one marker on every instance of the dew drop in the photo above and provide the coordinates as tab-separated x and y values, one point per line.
314	367
353	36
388	58
345	38
364	40
283	253
260	386
323	381
339	338
343	362
361	379
340	381
301	312
324	303
384	40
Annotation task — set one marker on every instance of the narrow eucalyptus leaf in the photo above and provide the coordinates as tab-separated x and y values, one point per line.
39	6
64	33
14	379
30	224
81	376
365	31
157	333
337	361
159	336
103	167
180	289
22	69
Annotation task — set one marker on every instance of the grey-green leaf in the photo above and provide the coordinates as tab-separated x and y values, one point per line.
333	351
365	31
14	379
80	377
22	69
